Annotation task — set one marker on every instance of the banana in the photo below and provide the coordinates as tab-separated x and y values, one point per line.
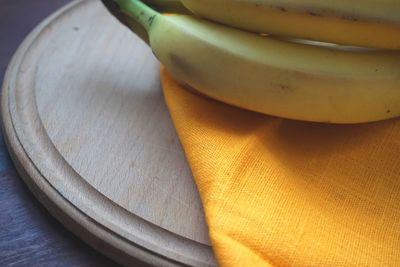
365	23
286	79
165	6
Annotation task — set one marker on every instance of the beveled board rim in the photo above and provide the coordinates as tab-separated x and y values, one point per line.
122	248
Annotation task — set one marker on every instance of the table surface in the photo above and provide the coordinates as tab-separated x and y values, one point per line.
29	235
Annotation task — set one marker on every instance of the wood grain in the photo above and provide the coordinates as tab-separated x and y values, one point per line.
86	123
29	235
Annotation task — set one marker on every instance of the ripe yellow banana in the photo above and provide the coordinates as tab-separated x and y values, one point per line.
285	79
367	23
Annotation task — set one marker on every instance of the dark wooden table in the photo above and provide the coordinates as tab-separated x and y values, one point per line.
29	235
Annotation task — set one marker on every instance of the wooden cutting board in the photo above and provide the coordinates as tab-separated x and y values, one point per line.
87	127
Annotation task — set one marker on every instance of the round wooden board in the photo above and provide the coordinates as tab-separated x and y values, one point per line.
87	127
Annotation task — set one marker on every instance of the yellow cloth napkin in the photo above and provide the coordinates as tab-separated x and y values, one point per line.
285	193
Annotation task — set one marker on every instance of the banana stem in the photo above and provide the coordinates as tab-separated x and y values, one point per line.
131	13
138	11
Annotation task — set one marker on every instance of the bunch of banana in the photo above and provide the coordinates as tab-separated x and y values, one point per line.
287	79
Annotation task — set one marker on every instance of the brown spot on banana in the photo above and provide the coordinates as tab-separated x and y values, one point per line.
282	9
320	12
283	87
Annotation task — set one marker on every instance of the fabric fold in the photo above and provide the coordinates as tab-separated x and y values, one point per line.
286	193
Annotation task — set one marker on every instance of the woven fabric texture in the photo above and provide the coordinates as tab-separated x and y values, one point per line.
286	193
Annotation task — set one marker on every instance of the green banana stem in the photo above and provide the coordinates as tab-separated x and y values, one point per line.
134	14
